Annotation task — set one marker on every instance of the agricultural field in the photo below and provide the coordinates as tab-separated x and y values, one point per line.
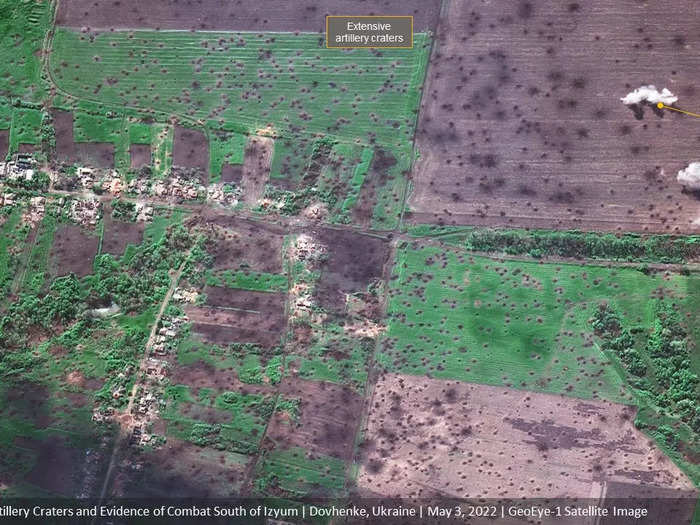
520	127
506	443
236	263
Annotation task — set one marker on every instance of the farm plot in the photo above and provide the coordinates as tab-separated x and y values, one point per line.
71	150
548	141
14	238
25	133
240	367
520	324
139	155
191	150
323	420
183	469
223	326
224	297
4	143
238	244
226	153
118	234
297	473
283	80
477	441
73	251
353	263
273	15
230	420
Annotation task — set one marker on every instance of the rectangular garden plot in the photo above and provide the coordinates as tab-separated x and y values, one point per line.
73	251
324	422
223	326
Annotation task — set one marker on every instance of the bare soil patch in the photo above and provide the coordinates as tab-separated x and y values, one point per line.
191	150
140	155
245	299
256	168
522	125
99	154
181	469
223	326
232	173
428	436
328	418
354	262
28	401
246	15
4	143
240	243
73	251
57	467
118	234
28	148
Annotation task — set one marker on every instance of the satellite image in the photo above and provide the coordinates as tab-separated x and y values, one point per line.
363	261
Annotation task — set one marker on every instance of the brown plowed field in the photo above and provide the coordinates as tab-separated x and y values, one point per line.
73	251
241	15
428	436
191	150
353	262
522	125
140	155
4	143
244	299
328	417
236	242
232	173
223	326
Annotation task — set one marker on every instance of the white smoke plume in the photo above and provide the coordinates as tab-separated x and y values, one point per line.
649	94
690	176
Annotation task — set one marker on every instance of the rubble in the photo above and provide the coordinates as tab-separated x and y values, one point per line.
306	249
85	212
186	296
222	193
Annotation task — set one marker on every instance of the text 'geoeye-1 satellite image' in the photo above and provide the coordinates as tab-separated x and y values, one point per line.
324	262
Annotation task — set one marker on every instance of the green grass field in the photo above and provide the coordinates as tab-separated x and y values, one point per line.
297	474
521	324
221	77
23	25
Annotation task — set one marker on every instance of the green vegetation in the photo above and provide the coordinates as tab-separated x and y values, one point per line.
347	94
575	244
296	472
231	421
247	280
26	127
124	210
12	238
162	149
250	363
658	368
37	265
453	315
225	148
23	25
